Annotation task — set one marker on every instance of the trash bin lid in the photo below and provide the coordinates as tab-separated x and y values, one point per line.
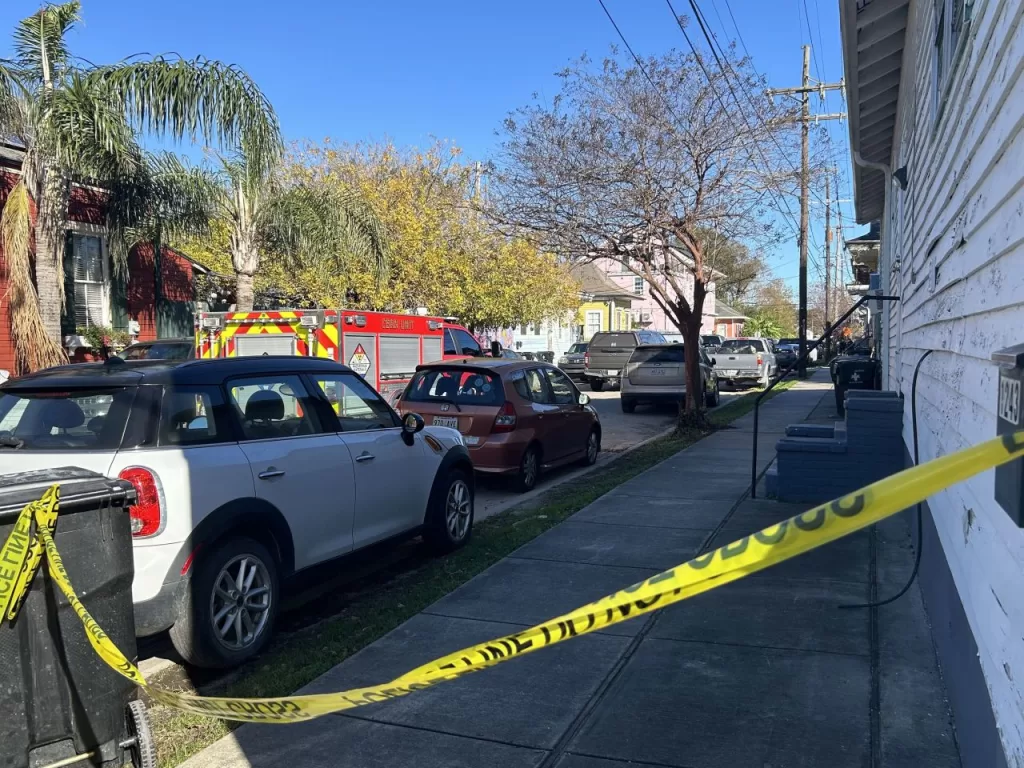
79	489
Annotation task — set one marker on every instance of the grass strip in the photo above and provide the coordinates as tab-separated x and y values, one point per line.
297	660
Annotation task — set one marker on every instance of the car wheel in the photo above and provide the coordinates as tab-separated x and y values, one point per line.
596	385
449	522
628	404
229	609
593	447
713	397
529	470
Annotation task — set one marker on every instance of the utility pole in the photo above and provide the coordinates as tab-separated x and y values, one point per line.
829	304
804	92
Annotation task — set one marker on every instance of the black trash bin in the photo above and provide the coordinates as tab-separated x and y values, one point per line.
855	373
58	700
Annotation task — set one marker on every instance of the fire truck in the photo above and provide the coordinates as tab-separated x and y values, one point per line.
382	347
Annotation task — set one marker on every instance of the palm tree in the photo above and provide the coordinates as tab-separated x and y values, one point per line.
310	225
81	122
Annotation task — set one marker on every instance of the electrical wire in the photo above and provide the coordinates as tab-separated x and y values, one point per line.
920	505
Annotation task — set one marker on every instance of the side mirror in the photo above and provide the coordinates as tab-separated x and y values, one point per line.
412	423
495	348
583	399
713	361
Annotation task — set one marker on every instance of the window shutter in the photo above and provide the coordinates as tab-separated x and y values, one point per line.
68	317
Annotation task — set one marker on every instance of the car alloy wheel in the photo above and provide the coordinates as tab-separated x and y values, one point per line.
529	470
592	447
458	509
240	603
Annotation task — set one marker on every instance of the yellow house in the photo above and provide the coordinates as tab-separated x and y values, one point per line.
605	305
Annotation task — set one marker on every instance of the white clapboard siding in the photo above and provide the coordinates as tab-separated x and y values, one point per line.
958	236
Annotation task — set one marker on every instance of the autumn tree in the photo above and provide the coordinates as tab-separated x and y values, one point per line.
636	166
773	302
447	256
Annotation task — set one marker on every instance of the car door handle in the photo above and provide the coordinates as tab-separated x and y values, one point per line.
270	473
365	457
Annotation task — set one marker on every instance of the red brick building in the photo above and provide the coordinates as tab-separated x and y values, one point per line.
95	294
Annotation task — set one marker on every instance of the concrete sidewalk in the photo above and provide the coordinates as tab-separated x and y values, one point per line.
767	672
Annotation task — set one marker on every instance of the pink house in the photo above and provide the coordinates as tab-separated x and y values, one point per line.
644	309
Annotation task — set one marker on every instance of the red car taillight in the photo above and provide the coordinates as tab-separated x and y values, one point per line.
147	514
586	359
760	359
505	421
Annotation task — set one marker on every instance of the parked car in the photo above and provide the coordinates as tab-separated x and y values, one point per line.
672	337
656	374
747	360
509	354
609	352
517	418
161	349
712	342
247	470
794	341
785	355
572	361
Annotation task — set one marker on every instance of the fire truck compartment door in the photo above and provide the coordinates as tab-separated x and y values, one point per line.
432	349
256	344
360	354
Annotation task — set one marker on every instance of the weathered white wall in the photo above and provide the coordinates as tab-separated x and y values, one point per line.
956	237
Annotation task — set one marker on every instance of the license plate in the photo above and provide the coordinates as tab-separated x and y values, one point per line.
446	421
658	372
729	373
612	373
471	440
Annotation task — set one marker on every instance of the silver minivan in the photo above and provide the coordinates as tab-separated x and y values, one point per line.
656	374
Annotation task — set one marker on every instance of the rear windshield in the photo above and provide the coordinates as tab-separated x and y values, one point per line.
455	386
76	420
742	346
673	354
613	340
167	351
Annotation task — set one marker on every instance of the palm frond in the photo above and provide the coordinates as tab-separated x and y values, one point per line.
39	44
83	129
196	97
319	227
34	349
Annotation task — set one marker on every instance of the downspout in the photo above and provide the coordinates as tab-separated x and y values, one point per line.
886	169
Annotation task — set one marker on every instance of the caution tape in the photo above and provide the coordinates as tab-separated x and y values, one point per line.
22	552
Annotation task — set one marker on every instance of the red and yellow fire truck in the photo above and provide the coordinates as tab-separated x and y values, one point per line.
383	347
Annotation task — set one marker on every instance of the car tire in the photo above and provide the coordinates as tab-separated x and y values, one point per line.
529	470
714	397
628	404
593	447
194	635
449	523
596	385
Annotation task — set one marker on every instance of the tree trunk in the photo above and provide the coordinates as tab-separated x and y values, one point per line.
51	196
243	292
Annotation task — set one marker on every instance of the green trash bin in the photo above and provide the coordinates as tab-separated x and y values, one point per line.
856	373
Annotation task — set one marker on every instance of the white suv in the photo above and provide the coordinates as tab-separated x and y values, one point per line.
247	470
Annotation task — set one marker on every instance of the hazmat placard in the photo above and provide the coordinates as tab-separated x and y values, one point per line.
360	361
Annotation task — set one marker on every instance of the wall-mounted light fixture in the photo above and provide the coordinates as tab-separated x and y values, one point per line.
900	177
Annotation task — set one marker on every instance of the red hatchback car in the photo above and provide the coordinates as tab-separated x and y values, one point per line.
517	417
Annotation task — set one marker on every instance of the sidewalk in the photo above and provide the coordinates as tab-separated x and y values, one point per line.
766	672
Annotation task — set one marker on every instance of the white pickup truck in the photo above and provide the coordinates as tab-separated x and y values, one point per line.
745	361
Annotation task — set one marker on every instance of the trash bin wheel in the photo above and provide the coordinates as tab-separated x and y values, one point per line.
140	747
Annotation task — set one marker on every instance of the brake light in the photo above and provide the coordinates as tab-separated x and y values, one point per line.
759	359
147	513
586	359
505	421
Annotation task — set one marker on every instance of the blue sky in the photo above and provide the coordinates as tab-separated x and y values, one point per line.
356	70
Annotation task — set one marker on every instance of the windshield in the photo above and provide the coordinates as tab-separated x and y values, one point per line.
455	385
673	354
167	351
577	349
742	346
77	420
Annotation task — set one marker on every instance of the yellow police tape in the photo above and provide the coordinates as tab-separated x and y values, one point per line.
22	553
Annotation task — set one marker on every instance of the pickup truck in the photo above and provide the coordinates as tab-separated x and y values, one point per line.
609	351
745	361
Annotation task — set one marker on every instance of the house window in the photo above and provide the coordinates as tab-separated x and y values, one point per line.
593	324
952	18
92	304
638	286
723	329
